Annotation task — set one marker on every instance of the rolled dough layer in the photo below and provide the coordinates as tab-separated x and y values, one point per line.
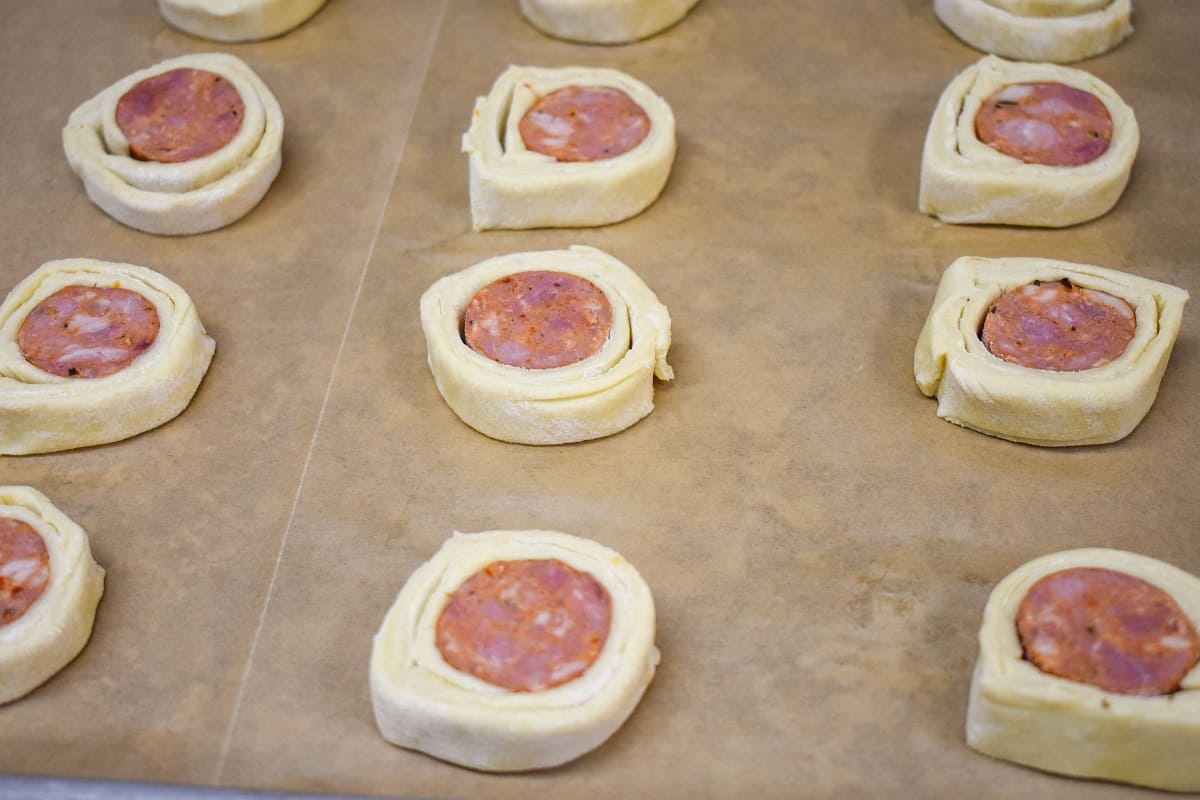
238	20
604	21
1038	30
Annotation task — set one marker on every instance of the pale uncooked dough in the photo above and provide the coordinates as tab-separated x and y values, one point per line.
1019	713
194	196
238	20
57	626
1038	30
423	703
977	390
599	396
41	412
514	187
604	21
964	180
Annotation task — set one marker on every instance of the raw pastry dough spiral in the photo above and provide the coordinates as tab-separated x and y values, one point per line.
1038	30
604	21
599	396
238	20
58	624
1019	713
41	412
977	390
423	703
515	187
194	196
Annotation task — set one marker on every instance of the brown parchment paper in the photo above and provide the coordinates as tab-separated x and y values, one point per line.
820	545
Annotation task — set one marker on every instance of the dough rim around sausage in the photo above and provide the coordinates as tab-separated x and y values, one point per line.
238	20
964	180
41	412
604	21
1019	713
59	623
1060	38
978	390
421	703
190	197
513	187
596	397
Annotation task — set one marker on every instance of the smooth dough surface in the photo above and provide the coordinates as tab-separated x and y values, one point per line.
238	20
598	396
977	390
964	180
515	187
422	703
189	197
1038	30
1019	713
59	623
41	412
604	21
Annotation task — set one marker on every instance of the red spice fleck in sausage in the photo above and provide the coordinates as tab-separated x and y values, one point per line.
525	625
1055	325
1107	629
584	123
180	115
24	569
538	320
88	331
1045	123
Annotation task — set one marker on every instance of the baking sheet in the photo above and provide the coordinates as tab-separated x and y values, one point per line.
820	545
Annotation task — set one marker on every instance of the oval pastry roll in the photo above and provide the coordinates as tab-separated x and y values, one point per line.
49	588
1046	352
569	147
1026	144
547	347
238	20
1038	30
604	21
513	650
92	352
1088	667
186	146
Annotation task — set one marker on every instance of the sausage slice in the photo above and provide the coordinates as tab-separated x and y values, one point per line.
1045	123
180	115
24	568
584	123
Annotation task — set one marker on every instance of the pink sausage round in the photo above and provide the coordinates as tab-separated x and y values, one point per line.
180	115
24	569
1045	123
584	123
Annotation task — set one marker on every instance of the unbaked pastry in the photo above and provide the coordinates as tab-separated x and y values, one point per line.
604	21
57	625
595	397
964	180
1038	30
238	20
515	187
194	196
1019	713
423	703
41	412
977	390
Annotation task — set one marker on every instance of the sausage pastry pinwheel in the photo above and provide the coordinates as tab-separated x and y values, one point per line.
604	21
238	20
1038	30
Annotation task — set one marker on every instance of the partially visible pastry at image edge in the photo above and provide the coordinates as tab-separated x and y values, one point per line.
1089	665
604	21
93	352
566	147
547	678
49	589
547	347
238	20
1026	144
1038	30
188	145
1046	352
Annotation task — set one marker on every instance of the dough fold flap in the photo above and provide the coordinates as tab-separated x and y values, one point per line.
598	396
238	20
515	187
977	390
188	197
604	21
1019	713
58	624
964	180
1060	31
41	412
422	703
